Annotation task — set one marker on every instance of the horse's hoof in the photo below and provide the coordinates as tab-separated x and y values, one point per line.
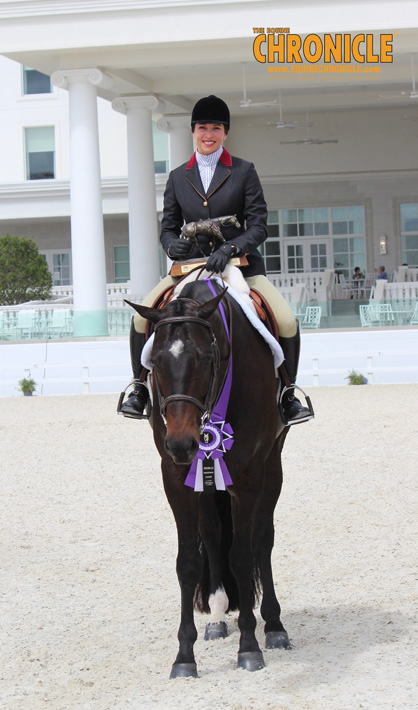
183	670
217	630
251	660
277	639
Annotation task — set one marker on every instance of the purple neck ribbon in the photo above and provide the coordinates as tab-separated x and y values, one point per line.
217	435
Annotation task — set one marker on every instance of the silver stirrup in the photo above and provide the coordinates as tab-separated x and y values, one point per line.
305	418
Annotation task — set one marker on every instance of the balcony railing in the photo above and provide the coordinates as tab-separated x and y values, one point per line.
312	299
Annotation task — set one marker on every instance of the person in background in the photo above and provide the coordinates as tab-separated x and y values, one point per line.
357	274
381	273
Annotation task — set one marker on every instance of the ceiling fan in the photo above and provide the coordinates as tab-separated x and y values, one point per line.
249	103
396	96
285	124
308	140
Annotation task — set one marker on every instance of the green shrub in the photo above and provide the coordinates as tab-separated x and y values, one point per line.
27	384
356	378
24	273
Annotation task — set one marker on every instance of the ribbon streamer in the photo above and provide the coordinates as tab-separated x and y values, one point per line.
222	440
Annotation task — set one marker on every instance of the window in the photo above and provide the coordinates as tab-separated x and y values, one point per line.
295	258
409	231
34	82
311	238
59	264
61	269
160	144
349	251
270	249
306	222
121	258
40	152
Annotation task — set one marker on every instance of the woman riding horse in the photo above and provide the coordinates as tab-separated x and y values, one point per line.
214	183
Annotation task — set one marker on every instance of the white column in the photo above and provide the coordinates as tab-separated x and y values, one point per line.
180	137
180	143
87	234
143	227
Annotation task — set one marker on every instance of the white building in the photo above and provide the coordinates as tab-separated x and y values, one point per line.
77	159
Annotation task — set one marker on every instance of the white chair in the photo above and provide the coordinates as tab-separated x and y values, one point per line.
312	317
347	290
368	316
3	326
414	319
386	315
377	314
26	323
60	325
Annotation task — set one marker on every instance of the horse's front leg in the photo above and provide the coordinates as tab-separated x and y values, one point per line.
250	656
263	541
188	570
214	596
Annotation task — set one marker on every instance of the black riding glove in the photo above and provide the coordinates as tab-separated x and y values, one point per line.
219	259
179	248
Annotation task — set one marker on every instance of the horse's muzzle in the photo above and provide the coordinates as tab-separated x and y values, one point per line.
182	450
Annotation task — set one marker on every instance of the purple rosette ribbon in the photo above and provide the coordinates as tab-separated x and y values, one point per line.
217	438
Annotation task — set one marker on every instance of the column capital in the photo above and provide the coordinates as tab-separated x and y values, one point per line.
138	101
88	75
171	122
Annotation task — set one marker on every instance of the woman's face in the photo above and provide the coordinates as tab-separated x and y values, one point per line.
209	137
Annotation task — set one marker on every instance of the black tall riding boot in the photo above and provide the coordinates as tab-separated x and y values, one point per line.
294	412
138	399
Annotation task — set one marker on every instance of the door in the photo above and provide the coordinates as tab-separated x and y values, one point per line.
310	255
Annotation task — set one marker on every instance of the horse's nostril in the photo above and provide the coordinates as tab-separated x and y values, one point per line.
181	450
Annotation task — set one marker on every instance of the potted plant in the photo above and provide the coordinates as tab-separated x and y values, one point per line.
27	385
356	378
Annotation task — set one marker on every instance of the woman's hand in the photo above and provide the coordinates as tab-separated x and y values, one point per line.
179	248
219	259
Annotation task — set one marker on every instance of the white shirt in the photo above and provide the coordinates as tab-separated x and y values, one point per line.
207	165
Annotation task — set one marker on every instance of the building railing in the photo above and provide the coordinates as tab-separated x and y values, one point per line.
310	296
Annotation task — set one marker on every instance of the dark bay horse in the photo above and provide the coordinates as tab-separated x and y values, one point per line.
225	538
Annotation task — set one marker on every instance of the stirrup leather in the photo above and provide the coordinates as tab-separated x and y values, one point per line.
135	383
289	422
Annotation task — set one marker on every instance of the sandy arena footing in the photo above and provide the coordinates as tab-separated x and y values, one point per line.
89	594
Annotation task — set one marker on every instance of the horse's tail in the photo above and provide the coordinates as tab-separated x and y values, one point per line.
202	592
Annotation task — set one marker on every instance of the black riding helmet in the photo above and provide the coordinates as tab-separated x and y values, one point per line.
211	109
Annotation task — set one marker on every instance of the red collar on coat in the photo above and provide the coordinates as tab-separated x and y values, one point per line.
225	158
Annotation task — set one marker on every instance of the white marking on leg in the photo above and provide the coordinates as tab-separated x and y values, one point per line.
177	348
218	604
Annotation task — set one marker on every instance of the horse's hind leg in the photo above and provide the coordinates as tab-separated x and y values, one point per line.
250	656
263	541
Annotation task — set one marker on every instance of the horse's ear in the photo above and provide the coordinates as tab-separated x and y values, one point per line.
206	309
152	314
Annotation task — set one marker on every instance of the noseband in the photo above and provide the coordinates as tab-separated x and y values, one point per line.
206	406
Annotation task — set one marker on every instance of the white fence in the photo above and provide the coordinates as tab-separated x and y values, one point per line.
404	273
103	366
318	286
116	294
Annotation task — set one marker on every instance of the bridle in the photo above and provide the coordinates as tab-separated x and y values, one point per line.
206	406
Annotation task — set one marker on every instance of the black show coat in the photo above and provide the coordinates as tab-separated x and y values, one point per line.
235	189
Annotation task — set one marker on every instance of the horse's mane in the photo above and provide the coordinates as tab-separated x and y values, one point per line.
199	291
